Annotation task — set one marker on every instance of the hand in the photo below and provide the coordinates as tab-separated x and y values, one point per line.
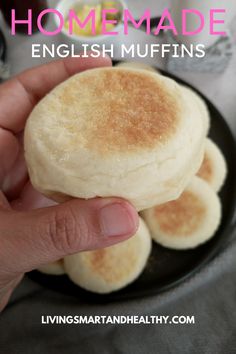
31	237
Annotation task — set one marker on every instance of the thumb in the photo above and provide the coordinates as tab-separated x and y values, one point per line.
30	239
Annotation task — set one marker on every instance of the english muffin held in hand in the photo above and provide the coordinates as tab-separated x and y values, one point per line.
199	105
188	221
137	65
109	269
114	132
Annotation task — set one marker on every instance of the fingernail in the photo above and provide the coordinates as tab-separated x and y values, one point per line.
116	220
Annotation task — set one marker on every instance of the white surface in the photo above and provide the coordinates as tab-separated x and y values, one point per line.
193	21
220	88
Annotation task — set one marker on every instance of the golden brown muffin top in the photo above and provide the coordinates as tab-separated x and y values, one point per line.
117	109
181	217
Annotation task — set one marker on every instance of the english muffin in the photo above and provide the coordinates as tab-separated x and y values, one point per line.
214	167
110	269
55	268
196	100
137	65
188	221
114	132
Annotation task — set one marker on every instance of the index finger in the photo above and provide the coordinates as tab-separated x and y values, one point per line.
19	95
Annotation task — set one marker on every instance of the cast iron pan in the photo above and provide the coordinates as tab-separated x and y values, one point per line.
167	268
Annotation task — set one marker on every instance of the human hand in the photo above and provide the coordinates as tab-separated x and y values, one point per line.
31	237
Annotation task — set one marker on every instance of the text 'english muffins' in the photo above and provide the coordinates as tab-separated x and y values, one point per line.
114	132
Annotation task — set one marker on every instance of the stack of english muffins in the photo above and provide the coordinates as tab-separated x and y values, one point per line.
129	132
